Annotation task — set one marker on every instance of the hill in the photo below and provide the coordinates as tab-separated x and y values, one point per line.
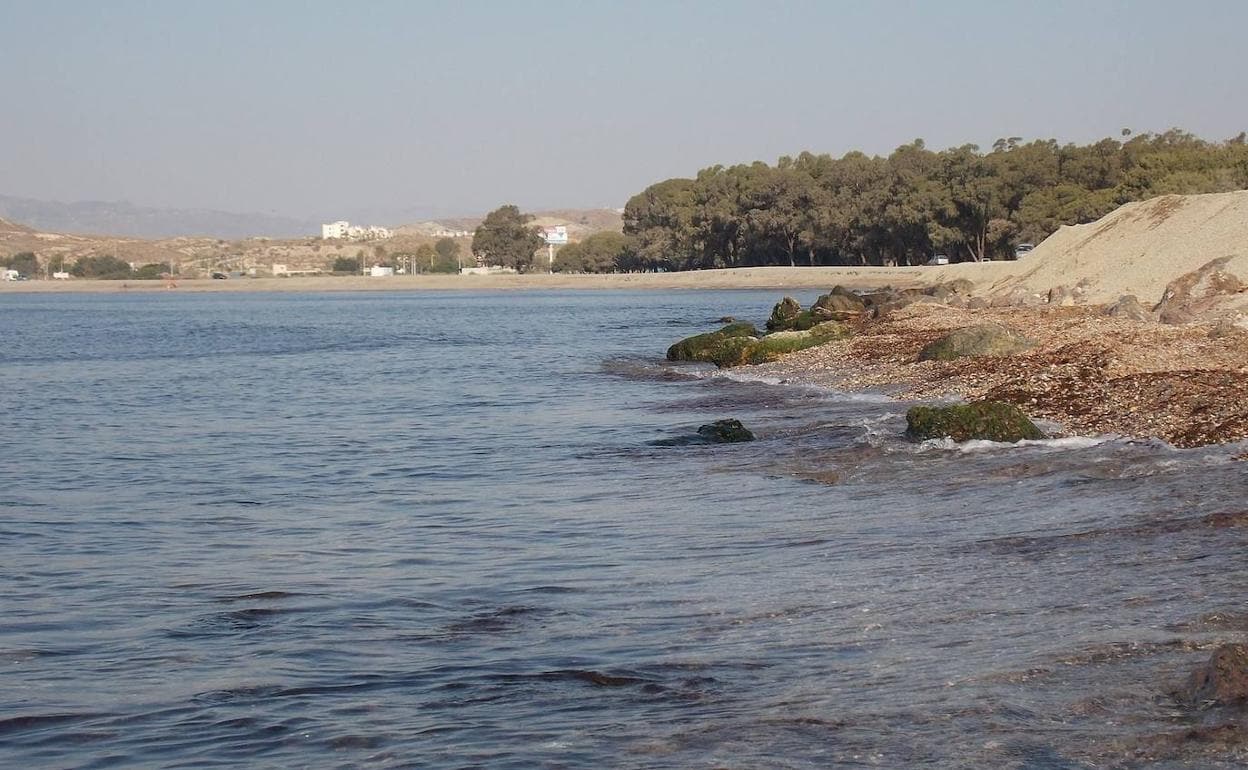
580	223
128	220
1140	248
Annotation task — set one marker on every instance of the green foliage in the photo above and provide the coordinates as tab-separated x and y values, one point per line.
506	239
346	265
605	252
24	262
152	271
447	256
988	420
106	267
900	209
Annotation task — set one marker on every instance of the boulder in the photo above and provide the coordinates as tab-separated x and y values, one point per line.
1128	306
742	351
725	432
700	347
1194	294
1060	295
960	286
1222	681
989	420
981	340
727	320
976	303
784	315
837	307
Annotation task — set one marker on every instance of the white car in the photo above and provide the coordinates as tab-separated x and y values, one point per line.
1023	249
939	259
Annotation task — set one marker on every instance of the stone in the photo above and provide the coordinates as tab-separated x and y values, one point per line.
986	420
1222	681
743	351
976	303
1060	295
1193	295
725	432
980	340
837	307
1128	306
700	347
784	315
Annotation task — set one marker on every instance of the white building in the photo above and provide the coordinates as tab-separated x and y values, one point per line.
344	230
378	271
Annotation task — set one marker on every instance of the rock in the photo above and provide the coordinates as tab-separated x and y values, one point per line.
1017	298
837	307
1221	681
1060	295
981	340
1128	306
742	351
784	315
700	347
956	300
976	303
1190	296
727	320
725	432
990	420
960	286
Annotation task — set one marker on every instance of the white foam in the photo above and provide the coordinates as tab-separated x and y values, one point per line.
982	445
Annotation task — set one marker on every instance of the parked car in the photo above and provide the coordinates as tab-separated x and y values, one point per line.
939	259
1023	249
220	276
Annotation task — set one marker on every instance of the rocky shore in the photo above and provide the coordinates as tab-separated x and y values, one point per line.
1087	371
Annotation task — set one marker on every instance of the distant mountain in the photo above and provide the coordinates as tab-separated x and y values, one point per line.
127	219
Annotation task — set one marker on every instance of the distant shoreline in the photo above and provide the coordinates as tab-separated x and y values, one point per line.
779	278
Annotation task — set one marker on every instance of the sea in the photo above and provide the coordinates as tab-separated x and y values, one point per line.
471	530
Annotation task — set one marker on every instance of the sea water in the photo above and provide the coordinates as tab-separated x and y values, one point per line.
454	530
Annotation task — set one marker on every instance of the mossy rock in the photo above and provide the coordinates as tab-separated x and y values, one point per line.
725	432
788	315
742	351
699	347
988	420
837	307
982	340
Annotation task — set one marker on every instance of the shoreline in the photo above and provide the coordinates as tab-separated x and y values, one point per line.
1092	374
773	278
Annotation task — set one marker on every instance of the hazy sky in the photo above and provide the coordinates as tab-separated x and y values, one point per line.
370	108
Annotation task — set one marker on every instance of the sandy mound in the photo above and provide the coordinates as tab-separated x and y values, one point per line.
1138	249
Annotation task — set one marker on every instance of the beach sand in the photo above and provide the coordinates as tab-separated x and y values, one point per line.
779	278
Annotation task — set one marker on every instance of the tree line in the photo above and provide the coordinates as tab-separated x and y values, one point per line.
904	208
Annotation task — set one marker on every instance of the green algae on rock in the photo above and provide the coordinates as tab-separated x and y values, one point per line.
699	347
989	420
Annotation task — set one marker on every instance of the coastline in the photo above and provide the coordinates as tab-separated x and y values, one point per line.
1090	373
779	278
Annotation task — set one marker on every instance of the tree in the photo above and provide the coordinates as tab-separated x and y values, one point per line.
24	262
506	239
106	267
152	271
346	265
599	253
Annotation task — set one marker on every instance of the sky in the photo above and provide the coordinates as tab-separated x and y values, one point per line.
382	111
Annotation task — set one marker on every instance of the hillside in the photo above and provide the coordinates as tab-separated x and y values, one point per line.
1139	248
580	222
122	219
